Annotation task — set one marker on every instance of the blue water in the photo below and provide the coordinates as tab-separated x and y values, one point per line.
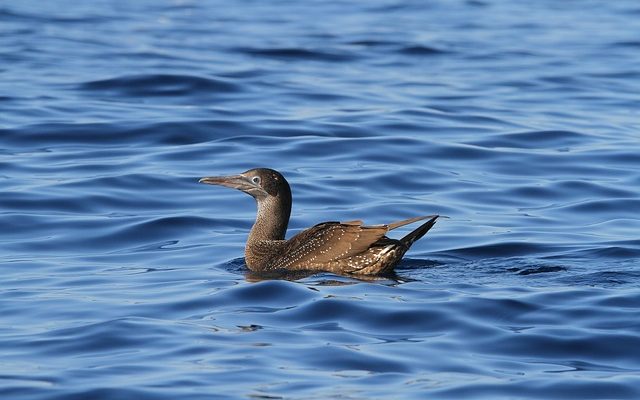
123	278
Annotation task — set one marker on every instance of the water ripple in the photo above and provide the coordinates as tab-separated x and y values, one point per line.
122	277
294	54
159	85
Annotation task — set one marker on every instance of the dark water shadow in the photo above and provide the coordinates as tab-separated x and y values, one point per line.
323	278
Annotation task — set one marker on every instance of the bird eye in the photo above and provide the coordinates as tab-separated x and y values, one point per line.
256	180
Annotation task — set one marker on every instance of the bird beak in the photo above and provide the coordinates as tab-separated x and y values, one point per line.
239	182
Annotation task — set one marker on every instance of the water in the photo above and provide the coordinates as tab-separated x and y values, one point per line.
122	277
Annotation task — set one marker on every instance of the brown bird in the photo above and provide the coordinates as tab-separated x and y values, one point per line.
338	247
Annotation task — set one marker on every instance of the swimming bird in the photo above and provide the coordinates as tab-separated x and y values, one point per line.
339	247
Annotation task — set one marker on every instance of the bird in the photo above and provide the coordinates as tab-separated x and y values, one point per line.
344	248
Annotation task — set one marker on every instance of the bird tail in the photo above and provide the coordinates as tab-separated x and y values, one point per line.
419	232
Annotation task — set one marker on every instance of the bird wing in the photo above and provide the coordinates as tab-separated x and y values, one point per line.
404	222
329	241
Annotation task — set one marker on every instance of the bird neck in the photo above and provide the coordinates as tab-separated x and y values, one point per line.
272	219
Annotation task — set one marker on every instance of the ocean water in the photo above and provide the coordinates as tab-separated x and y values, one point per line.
123	278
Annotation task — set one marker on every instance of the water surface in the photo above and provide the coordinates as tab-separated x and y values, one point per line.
123	278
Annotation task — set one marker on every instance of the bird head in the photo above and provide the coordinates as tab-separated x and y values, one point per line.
260	183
